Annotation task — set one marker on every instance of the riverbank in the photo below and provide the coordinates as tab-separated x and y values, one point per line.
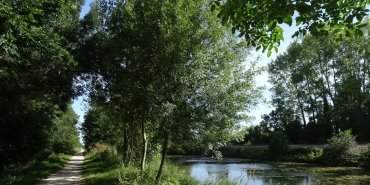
301	155
100	171
313	154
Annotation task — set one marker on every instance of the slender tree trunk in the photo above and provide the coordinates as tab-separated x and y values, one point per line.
302	112
145	146
335	80
125	145
313	102
300	106
164	153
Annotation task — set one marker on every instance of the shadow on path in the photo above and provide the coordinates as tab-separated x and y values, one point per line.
71	174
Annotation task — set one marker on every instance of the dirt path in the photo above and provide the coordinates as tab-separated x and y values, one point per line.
71	174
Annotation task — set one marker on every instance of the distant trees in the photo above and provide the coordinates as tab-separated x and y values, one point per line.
320	88
62	134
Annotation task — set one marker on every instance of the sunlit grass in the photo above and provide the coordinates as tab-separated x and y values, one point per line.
98	173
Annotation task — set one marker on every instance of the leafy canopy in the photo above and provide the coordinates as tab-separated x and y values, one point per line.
258	20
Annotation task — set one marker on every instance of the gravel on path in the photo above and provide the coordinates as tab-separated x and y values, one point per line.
71	174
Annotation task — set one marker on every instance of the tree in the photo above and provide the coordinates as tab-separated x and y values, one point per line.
324	84
171	72
258	21
36	72
62	134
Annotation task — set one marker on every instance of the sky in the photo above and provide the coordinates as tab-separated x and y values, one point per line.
80	107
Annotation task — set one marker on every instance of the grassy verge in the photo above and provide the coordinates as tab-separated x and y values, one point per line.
172	174
99	171
96	172
34	171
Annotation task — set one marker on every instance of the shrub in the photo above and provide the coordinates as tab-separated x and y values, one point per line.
105	153
342	150
307	155
98	148
367	157
278	144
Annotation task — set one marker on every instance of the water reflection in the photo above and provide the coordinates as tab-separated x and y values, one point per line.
244	173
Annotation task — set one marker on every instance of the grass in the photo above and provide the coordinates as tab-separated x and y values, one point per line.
96	172
34	171
99	171
172	174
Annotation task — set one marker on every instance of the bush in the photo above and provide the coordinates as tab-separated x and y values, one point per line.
342	150
105	153
367	158
307	155
278	145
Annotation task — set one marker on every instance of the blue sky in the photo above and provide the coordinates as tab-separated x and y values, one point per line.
262	80
85	8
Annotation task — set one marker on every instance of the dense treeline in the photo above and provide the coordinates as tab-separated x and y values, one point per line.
173	77
36	72
320	87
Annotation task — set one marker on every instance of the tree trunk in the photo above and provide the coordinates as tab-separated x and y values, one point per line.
164	153
145	146
300	106
125	145
131	145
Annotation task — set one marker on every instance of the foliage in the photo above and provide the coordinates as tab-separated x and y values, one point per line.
257	134
97	172
105	153
367	157
173	75
36	73
63	134
167	74
306	155
342	149
302	155
173	175
320	88
259	21
278	144
34	171
245	152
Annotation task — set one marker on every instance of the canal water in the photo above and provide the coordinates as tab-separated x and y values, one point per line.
242	171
